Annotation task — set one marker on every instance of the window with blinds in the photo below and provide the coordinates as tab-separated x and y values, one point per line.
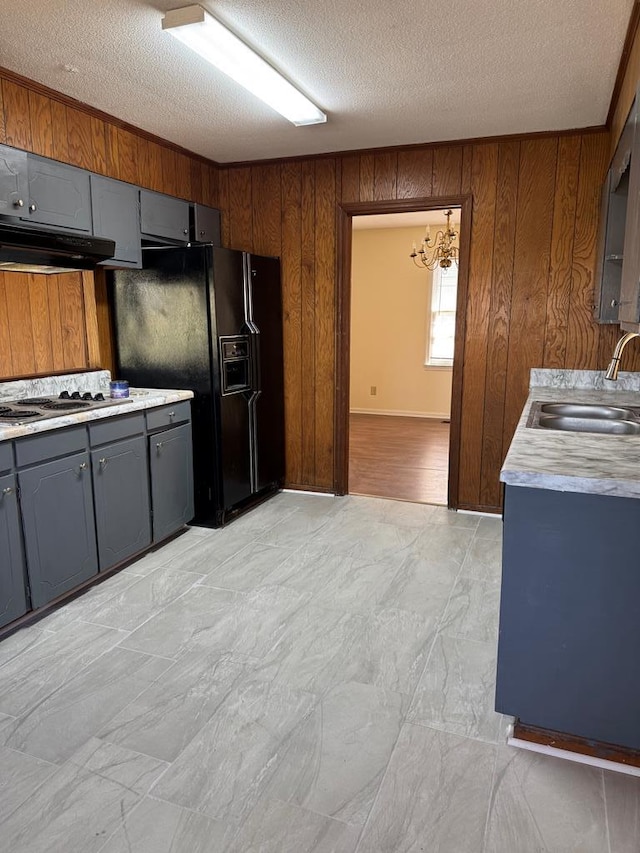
441	323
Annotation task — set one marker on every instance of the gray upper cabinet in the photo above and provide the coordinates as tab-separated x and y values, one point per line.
206	225
45	192
116	215
164	217
613	212
13	598
59	195
171	464
14	186
121	491
59	526
629	308
614	206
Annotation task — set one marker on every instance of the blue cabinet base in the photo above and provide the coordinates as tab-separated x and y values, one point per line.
570	614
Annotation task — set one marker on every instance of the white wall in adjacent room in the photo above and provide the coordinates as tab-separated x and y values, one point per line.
390	302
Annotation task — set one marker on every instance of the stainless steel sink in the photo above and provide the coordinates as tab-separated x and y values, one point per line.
603	424
589	410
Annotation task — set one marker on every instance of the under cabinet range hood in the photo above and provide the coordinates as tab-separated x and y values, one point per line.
38	251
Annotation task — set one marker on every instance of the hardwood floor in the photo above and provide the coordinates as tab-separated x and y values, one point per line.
402	458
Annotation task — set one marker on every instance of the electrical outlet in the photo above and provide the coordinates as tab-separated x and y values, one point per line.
374	390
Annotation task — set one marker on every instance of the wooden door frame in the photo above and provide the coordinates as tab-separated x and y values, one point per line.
345	214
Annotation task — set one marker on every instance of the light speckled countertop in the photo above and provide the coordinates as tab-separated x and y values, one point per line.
140	398
574	461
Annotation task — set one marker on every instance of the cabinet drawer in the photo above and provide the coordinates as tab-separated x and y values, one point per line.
50	444
6	456
115	428
168	416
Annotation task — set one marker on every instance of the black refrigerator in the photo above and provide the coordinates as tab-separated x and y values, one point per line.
210	320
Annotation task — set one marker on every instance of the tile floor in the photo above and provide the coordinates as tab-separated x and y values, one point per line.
315	678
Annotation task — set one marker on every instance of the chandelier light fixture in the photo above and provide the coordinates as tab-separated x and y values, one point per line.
439	252
204	34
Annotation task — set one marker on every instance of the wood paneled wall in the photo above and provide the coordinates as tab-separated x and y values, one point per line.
532	259
42	324
43	320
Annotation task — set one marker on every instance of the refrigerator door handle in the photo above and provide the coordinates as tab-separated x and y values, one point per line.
256	373
248	294
249	275
253	441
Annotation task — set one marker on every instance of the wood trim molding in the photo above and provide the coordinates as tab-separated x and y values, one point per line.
91	319
345	213
579	745
632	33
68	101
70	372
104	320
458	358
343	344
416	146
47	92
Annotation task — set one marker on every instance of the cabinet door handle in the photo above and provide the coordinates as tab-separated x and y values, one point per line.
185	231
7	491
102	462
82	467
172	414
32	208
202	233
159	446
18	202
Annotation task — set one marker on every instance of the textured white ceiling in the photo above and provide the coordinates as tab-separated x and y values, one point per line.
387	73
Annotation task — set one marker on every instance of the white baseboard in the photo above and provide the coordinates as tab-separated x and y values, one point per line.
398	414
304	492
592	761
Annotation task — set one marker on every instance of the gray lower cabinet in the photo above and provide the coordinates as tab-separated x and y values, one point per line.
59	195
59	526
171	464
88	497
121	494
570	614
116	215
164	216
13	598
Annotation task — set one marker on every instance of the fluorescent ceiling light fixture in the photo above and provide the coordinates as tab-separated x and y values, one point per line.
200	31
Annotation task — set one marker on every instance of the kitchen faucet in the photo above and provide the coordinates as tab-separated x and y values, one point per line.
612	370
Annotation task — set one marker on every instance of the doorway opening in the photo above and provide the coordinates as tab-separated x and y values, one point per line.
400	334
